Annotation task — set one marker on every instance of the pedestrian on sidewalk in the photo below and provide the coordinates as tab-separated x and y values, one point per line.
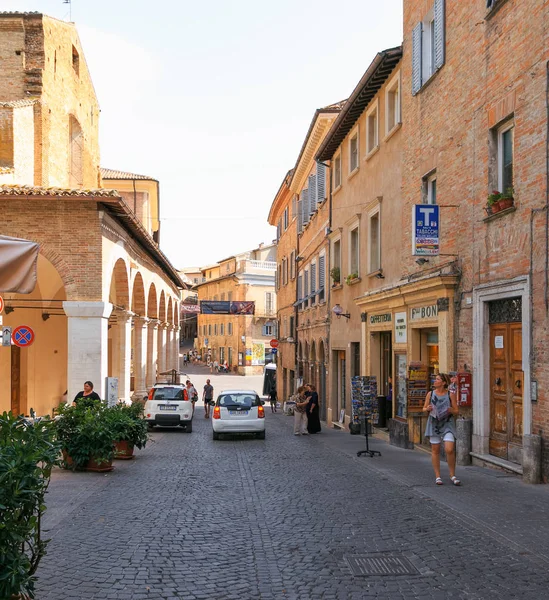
87	396
207	396
300	412
441	404
313	410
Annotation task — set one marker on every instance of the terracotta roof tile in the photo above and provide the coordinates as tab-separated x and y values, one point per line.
113	174
30	190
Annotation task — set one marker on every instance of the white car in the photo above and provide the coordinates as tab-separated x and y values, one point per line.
166	406
238	411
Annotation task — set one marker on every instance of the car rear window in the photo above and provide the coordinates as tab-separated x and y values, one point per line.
167	393
243	400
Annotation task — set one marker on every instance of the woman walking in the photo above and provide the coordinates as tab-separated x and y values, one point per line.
313	411
441	404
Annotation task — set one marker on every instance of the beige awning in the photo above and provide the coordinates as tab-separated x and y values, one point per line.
18	260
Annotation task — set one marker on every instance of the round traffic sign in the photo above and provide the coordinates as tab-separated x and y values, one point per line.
1	304
22	336
274	343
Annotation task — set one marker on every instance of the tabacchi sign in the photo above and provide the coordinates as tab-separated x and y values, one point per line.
425	230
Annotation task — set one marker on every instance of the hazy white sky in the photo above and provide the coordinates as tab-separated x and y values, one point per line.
214	99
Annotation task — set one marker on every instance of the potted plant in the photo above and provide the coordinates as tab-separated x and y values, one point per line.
506	199
28	452
335	274
129	427
350	278
87	437
492	202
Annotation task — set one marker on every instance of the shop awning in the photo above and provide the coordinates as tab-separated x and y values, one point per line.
18	260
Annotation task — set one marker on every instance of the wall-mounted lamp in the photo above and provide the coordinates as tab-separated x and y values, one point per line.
298	258
8	309
338	312
45	316
422	261
380	275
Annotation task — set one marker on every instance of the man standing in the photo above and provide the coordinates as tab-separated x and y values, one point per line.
191	393
207	396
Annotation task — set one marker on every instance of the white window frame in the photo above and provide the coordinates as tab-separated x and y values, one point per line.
355	226
333	256
393	87
374	267
509	125
374	108
337	159
428	46
430	188
322	285
354	136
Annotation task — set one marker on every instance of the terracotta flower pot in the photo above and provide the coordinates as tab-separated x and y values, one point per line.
495	207
95	467
505	203
123	450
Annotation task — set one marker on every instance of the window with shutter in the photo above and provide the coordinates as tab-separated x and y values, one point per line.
416	58
353	152
222	329
439	41
313	283
306	287
292	265
321	276
312	194
320	182
285	218
299	290
299	216
269	304
230	329
305	206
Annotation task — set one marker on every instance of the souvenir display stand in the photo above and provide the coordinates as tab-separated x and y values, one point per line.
364	407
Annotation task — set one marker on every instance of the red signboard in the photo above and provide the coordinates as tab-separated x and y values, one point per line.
465	389
274	343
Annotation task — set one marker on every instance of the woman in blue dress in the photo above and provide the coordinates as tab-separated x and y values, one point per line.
441	404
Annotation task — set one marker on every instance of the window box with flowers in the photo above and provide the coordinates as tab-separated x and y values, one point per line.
498	201
352	278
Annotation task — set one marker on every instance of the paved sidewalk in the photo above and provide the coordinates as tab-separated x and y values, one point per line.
496	502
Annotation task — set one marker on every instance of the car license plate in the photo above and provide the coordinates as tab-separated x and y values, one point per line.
167	407
238	412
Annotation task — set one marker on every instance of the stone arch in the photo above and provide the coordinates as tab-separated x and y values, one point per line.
152	303
138	296
119	293
65	272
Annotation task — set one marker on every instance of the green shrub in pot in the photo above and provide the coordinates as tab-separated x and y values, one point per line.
86	433
28	452
128	424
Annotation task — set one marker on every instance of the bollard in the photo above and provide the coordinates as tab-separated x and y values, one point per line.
531	458
464	430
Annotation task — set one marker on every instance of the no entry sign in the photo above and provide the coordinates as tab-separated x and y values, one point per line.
22	336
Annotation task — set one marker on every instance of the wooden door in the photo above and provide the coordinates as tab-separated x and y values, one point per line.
15	380
506	390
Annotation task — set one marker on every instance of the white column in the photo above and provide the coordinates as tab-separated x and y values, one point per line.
87	345
124	351
162	347
140	356
177	360
169	348
152	353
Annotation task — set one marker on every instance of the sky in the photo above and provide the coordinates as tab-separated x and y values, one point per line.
214	99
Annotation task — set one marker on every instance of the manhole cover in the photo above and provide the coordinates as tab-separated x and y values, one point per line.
365	565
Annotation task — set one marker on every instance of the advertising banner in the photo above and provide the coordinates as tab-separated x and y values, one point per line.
425	230
258	353
190	308
225	307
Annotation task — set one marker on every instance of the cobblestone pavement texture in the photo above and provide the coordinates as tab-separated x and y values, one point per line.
240	518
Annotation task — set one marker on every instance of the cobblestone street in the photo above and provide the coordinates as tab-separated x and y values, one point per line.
242	518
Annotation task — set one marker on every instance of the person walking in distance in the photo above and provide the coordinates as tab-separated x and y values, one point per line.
300	412
441	404
207	397
273	398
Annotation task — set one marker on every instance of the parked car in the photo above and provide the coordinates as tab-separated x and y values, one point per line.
238	411
166	406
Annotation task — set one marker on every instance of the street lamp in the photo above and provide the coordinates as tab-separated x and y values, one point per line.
338	312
